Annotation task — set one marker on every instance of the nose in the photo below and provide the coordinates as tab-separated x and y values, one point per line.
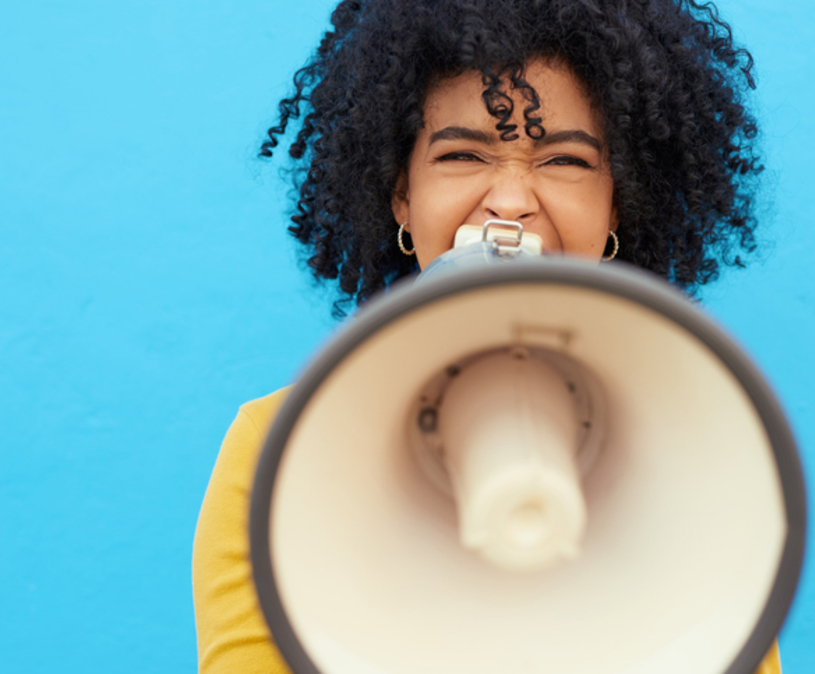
511	197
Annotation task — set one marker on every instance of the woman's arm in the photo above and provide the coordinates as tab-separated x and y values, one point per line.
232	634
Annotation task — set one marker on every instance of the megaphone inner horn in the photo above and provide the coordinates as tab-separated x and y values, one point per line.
508	433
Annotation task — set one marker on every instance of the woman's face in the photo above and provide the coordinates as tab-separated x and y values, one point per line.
460	172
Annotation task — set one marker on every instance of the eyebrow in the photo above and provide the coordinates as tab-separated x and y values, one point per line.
479	136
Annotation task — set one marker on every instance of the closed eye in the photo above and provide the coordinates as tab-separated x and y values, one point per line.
568	160
459	156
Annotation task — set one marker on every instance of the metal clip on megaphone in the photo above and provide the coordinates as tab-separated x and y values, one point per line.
495	241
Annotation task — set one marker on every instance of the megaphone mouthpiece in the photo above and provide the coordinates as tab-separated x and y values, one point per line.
509	428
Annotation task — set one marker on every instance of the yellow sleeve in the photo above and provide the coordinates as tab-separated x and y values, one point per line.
771	663
232	633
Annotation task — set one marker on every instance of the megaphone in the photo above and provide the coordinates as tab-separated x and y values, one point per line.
531	466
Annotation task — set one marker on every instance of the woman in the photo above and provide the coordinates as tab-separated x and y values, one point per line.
607	127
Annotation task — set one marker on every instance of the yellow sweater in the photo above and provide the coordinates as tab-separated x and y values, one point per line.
232	635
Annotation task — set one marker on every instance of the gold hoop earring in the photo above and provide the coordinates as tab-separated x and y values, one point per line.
402	243
613	235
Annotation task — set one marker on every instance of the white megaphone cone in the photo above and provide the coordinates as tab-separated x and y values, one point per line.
528	466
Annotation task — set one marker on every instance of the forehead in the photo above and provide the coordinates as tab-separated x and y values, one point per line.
563	98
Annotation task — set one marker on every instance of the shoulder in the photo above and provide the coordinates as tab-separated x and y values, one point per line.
231	479
261	412
243	442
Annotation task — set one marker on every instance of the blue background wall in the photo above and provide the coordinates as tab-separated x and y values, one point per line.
147	288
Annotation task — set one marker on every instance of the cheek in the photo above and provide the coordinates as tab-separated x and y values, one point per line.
436	212
583	221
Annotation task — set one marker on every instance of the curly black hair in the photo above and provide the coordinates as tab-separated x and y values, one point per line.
665	75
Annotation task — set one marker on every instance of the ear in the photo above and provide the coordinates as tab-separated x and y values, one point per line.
400	199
